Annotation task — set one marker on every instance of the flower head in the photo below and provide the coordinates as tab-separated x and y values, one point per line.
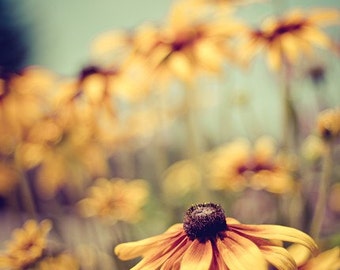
208	239
328	123
115	199
286	38
27	245
238	165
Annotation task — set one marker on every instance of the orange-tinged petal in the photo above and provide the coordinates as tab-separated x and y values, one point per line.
198	256
130	250
290	47
279	257
155	258
324	16
244	251
274	57
315	36
277	232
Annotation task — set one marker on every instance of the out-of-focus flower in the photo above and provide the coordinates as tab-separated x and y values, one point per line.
187	44
291	36
328	123
27	245
62	261
181	179
115	199
237	165
23	100
313	148
208	240
327	260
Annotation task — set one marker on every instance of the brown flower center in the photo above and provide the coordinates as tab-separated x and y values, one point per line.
204	222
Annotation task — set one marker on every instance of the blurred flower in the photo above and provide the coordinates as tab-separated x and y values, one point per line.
115	199
237	165
62	261
23	100
313	148
328	123
288	38
181	179
27	245
187	44
209	240
327	260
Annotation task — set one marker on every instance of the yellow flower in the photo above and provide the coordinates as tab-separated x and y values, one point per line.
187	44
63	261
238	165
291	36
328	123
327	260
115	199
207	240
27	245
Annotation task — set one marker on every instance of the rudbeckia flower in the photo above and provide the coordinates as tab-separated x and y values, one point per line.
115	199
328	123
208	240
291	36
239	164
27	245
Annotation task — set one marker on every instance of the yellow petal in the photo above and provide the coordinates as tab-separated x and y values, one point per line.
239	253
274	55
324	16
198	256
279	257
130	250
277	232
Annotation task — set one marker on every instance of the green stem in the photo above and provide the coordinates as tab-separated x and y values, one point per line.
194	140
320	207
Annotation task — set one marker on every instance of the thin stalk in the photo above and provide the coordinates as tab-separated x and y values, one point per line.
194	140
320	207
27	196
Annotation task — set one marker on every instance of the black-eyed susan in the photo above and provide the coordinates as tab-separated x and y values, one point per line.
239	164
287	38
207	240
115	199
328	123
27	245
188	43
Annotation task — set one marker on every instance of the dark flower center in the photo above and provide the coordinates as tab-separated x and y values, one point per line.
204	222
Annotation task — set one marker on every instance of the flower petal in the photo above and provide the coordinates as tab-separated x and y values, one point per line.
198	256
277	232
130	250
239	253
155	258
279	257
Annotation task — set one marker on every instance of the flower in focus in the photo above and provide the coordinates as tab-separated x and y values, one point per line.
27	245
208	240
115	199
61	262
238	165
328	123
288	38
327	260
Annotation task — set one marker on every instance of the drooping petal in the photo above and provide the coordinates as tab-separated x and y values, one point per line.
277	232
239	253
329	260
155	258
130	250
198	256
279	257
